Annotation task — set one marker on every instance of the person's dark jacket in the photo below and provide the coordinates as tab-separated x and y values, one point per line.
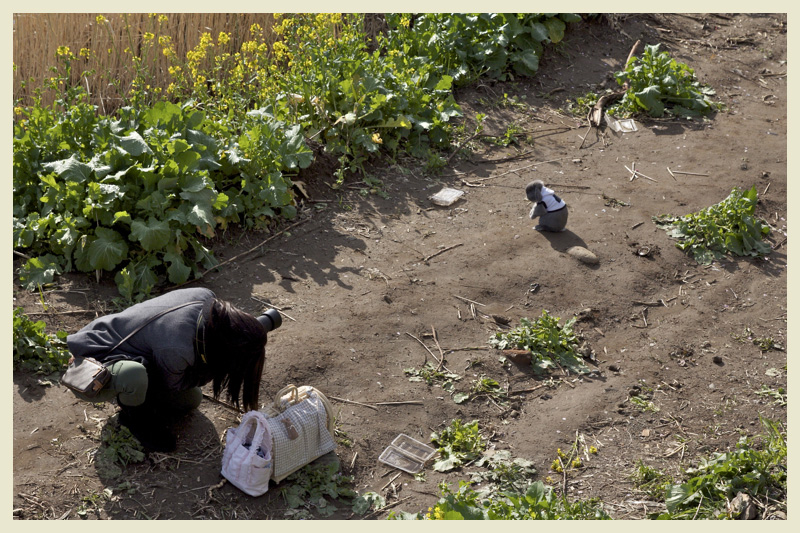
166	346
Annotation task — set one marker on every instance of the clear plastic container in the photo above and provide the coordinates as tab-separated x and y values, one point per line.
407	454
446	197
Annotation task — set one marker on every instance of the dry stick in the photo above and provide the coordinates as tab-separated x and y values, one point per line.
689	173
81	311
423	345
253	249
460	146
521	168
352	402
671	174
224	404
390	482
441	353
765	190
426	259
272	307
521	391
386	507
637	173
469	301
509	158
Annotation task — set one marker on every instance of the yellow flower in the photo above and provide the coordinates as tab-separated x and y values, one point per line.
577	463
223	38
162	18
100	19
63	50
147	37
376	138
592	449
85	53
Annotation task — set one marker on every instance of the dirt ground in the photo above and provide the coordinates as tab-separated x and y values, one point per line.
363	273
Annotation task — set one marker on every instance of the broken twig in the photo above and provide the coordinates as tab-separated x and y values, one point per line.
469	301
352	402
426	259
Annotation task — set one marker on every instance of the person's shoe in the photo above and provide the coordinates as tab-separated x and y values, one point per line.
148	428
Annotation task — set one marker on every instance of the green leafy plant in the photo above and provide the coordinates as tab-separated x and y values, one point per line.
118	449
468	45
658	84
651	480
457	445
728	227
309	488
756	469
483	386
432	375
34	349
550	345
368	500
537	502
503	473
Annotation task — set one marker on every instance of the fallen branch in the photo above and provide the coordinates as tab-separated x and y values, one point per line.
426	259
689	173
671	174
352	402
220	402
385	507
469	301
423	345
441	353
239	256
460	146
522	391
272	307
390	482
635	173
521	168
78	312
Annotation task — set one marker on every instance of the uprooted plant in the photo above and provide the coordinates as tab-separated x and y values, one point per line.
729	227
550	344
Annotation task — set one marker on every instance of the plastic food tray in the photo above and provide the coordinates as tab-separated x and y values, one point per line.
407	454
446	197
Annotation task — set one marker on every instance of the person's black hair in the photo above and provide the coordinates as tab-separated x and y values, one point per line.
235	343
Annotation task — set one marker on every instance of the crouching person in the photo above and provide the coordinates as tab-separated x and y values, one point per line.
161	351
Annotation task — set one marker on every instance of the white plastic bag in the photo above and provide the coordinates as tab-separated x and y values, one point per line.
247	458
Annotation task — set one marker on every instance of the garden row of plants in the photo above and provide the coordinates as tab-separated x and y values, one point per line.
140	193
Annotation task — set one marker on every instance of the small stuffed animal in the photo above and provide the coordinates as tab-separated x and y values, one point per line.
550	208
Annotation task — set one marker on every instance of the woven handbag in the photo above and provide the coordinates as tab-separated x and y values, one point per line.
300	422
247	458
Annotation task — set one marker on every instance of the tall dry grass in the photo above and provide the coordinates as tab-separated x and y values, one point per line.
37	37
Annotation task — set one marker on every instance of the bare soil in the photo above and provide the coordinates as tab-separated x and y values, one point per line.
363	273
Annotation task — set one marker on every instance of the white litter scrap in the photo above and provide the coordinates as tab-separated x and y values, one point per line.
446	197
625	125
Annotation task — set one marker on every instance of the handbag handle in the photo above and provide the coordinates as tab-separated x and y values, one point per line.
293	398
243	430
